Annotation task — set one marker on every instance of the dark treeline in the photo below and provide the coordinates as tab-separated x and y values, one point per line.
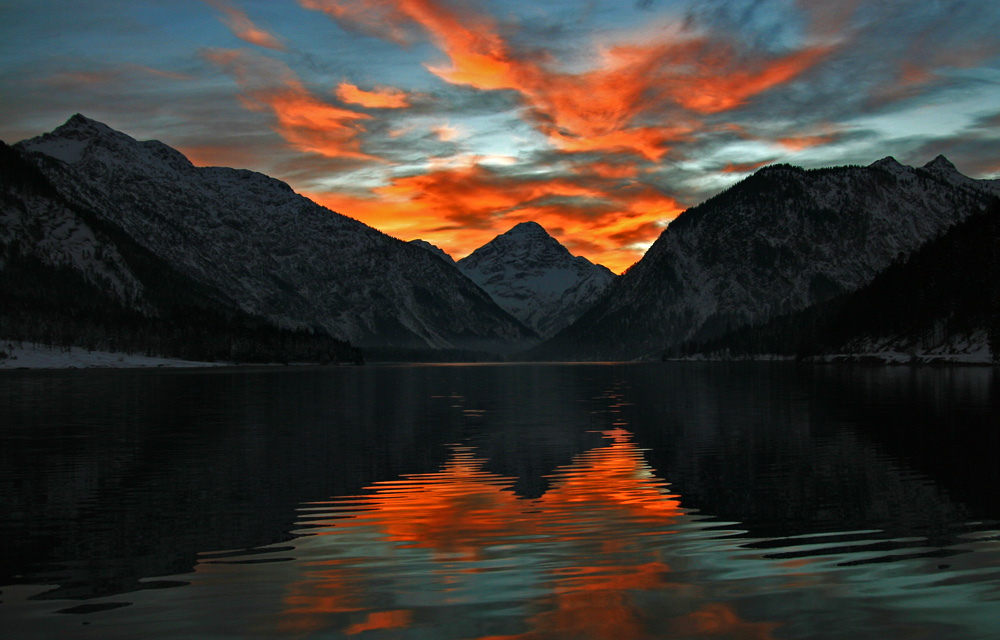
56	307
175	316
950	286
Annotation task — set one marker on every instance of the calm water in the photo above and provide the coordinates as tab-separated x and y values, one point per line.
525	501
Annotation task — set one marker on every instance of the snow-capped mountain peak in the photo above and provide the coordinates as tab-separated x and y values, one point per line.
943	169
941	164
528	229
892	165
535	278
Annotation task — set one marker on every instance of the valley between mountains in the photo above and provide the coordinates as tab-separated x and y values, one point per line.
112	244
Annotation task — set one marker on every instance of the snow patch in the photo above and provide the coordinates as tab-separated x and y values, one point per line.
35	356
67	150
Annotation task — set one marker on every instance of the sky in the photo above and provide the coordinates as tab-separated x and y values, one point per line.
454	121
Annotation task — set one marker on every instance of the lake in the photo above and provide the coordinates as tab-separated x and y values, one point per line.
673	500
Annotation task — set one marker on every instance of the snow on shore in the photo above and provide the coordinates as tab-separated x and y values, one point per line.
33	356
952	349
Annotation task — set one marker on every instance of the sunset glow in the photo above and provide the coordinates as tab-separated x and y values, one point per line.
452	122
460	520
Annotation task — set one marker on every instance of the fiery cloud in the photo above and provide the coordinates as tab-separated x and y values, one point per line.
617	106
719	86
306	122
745	167
627	109
244	28
380	98
446	132
798	143
461	208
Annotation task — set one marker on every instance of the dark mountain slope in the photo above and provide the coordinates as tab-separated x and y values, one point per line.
69	278
779	241
272	251
945	293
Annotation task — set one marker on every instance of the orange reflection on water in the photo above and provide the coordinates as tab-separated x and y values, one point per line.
455	512
573	559
382	620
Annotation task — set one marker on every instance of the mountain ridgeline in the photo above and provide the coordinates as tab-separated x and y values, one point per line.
779	241
275	254
111	243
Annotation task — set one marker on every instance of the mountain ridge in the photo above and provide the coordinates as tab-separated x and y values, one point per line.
277	253
70	279
941	303
779	240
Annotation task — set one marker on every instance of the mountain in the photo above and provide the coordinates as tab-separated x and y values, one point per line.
536	279
433	248
274	253
776	242
69	278
940	303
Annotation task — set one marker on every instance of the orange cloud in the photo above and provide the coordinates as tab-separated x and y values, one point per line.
461	208
608	170
378	17
721	86
632	106
207	155
617	106
446	132
243	28
798	143
381	98
301	118
745	167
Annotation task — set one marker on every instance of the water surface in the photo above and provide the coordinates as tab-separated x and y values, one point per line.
680	500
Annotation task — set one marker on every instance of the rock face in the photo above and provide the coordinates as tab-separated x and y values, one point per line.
275	253
536	279
36	224
778	241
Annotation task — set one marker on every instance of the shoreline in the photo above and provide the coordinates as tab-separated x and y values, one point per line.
32	356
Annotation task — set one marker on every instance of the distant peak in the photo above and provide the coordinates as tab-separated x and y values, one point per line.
940	163
891	165
887	161
80	122
527	228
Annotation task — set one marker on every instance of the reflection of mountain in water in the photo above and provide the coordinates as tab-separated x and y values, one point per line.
788	450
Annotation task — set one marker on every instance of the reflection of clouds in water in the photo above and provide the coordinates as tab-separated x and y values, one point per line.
606	552
570	561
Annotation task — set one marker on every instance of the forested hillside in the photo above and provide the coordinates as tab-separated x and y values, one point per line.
946	290
69	278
